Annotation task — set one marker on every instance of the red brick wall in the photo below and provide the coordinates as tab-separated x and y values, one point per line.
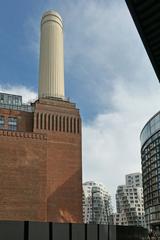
64	178
24	119
41	171
64	160
22	176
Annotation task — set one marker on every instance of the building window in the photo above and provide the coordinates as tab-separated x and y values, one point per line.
60	123
37	120
71	125
78	126
49	121
64	129
1	122
53	123
41	120
1	98
67	124
74	125
45	121
56	123
12	123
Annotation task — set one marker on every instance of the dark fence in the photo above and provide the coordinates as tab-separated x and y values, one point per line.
55	231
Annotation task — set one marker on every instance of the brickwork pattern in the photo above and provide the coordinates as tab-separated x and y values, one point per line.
41	170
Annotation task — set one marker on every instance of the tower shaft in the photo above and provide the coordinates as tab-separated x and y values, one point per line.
51	69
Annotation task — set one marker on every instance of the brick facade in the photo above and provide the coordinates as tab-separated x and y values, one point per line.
40	164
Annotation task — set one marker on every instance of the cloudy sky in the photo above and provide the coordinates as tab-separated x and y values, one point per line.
107	73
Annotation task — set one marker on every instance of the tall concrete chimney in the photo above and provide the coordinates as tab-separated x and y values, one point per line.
51	66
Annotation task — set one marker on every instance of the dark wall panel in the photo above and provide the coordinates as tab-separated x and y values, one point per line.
11	230
92	231
112	232
60	231
103	232
78	232
38	231
122	233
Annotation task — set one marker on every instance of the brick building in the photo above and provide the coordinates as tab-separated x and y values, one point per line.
40	153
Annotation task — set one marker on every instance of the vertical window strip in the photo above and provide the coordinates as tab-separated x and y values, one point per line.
78	126
53	128
64	129
71	125
56	123
49	120
45	119
67	124
37	120
60	127
41	120
74	125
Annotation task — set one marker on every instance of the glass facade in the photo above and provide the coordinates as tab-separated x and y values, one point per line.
150	154
10	99
2	122
14	102
150	128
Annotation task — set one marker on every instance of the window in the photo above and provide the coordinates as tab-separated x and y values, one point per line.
12	123
41	120
1	122
56	123
71	125
37	120
1	98
60	123
45	121
49	121
64	124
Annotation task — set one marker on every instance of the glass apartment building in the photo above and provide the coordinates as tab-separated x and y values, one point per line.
150	155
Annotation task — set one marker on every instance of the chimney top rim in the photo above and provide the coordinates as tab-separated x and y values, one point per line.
52	12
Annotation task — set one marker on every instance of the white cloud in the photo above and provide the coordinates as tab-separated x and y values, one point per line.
111	144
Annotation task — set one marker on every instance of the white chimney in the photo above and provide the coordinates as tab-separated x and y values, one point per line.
51	67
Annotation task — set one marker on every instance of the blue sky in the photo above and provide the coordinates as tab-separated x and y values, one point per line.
107	73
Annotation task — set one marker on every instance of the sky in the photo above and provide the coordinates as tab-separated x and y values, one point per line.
107	73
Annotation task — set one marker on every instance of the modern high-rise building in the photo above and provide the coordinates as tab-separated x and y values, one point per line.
129	202
96	203
146	16
40	143
150	154
134	179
